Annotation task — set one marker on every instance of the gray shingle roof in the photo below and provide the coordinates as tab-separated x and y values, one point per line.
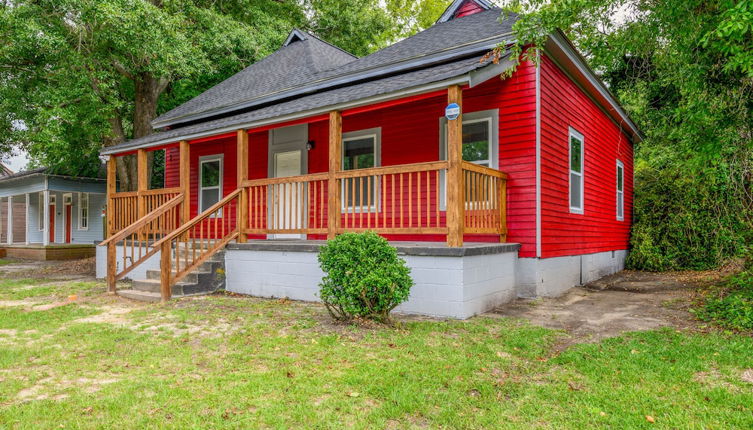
312	65
290	65
314	101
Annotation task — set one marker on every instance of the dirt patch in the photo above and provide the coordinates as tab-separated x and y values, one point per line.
83	269
747	376
49	388
627	301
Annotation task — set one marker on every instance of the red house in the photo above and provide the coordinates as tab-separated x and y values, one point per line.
492	188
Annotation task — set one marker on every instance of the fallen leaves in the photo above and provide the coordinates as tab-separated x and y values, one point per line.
650	419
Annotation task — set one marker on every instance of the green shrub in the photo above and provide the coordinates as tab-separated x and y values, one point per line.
731	305
364	277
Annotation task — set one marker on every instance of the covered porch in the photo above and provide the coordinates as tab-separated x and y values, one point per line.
398	168
50	217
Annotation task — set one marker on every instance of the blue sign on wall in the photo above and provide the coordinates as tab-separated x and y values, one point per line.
452	111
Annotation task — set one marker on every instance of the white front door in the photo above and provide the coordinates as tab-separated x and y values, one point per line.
288	158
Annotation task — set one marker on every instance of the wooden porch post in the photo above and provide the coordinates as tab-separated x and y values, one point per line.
111	188
455	187
242	216
335	165
142	181
185	180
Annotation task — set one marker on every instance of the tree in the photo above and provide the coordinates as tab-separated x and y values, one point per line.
80	74
684	71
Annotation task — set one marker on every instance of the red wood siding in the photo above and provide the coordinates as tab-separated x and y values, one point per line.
564	105
468	8
410	134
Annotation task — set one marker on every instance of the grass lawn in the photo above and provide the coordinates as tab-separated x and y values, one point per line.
231	362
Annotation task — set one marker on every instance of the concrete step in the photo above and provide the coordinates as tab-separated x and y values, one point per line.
191	278
141	296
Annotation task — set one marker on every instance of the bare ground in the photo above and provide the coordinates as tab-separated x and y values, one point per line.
626	301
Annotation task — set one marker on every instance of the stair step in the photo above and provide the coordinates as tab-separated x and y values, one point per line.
142	296
190	278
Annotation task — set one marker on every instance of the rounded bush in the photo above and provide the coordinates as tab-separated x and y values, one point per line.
364	277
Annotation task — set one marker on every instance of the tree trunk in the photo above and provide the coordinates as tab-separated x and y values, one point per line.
148	91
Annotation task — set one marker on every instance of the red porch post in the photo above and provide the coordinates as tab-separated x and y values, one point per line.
335	165
455	187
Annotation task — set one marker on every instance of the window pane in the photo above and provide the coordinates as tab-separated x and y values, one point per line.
575	197
576	164
359	153
476	141
620	203
210	174
619	178
357	189
209	198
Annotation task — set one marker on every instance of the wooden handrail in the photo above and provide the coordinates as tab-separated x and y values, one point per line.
202	216
483	170
133	228
209	242
391	170
174	190
285	180
124	194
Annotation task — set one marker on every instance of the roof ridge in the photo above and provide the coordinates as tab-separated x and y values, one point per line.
330	44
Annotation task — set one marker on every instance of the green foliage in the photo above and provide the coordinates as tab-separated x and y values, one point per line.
364	277
682	69
730	305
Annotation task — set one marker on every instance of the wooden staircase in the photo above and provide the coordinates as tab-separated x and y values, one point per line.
191	253
206	278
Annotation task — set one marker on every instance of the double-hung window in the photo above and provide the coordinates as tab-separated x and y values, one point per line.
210	181
620	191
480	142
361	151
576	171
83	211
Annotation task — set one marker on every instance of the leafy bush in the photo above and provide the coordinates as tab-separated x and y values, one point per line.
731	305
688	218
364	277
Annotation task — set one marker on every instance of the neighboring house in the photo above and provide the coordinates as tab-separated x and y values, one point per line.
52	217
528	192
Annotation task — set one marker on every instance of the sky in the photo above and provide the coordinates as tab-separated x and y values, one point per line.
16	162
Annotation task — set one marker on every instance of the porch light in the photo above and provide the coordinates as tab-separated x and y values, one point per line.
310	145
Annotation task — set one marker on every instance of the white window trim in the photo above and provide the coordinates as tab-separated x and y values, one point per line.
40	212
575	209
375	133
208	159
81	209
620	193
491	115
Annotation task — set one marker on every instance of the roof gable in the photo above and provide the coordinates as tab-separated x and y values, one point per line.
295	36
461	8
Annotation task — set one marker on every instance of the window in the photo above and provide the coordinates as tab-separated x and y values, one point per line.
576	171
361	151
480	138
620	191
40	212
210	181
480	143
83	211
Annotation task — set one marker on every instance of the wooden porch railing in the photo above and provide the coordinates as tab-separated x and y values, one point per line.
404	199
485	200
130	206
291	205
194	242
137	241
